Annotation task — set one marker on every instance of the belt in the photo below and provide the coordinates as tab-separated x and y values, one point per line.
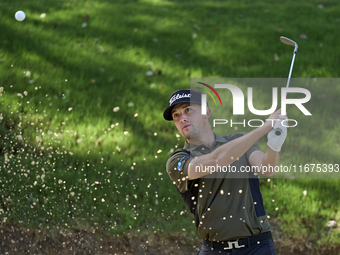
239	243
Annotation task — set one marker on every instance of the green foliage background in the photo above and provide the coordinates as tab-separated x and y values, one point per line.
69	157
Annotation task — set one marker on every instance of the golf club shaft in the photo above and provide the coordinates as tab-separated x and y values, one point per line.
279	131
291	69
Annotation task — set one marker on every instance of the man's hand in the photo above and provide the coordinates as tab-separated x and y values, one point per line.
275	141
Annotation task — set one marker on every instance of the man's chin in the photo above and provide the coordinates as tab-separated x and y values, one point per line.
186	134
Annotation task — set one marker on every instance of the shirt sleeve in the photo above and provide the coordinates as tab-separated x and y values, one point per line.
177	169
253	148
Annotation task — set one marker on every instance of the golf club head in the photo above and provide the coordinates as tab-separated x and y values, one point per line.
288	41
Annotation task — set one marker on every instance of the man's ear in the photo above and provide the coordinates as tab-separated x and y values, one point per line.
208	113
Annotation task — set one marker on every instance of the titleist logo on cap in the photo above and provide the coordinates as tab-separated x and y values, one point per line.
178	96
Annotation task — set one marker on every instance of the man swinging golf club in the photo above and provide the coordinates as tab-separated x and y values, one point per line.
227	206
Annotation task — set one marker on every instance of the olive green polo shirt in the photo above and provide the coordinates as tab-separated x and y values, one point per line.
227	206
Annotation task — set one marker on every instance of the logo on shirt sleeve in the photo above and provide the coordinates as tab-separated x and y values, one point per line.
181	162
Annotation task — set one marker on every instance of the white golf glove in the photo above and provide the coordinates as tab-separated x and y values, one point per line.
276	140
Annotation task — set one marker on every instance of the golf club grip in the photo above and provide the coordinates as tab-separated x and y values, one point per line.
278	132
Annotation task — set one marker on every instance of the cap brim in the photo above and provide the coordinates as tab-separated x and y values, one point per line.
167	114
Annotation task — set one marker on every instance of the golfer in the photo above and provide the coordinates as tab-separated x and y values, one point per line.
209	173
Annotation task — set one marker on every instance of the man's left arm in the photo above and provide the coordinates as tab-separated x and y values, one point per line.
267	162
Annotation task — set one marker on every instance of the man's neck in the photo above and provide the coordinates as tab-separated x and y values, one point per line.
207	139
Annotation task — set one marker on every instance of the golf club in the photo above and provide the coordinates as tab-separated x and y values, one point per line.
288	41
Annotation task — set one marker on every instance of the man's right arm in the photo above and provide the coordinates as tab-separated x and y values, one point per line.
177	169
227	153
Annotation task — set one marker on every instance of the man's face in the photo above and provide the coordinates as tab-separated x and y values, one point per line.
188	119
